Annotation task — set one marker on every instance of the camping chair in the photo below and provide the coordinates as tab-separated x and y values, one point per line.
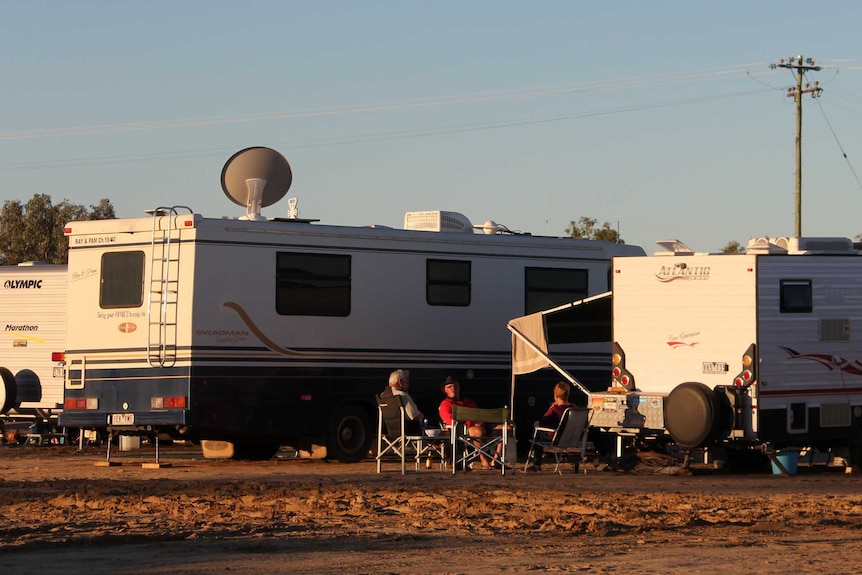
570	437
392	439
467	448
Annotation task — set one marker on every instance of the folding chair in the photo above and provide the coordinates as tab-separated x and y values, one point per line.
393	441
569	437
467	448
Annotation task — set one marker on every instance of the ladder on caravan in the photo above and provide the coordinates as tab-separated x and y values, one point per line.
163	289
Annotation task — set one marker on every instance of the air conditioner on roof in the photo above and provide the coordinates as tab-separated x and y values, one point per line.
437	221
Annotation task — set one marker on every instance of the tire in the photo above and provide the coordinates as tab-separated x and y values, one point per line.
349	436
8	390
691	414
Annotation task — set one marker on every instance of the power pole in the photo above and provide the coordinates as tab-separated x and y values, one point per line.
800	66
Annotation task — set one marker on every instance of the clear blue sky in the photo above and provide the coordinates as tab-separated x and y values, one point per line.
662	117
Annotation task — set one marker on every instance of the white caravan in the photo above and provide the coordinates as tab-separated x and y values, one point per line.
33	318
266	332
755	349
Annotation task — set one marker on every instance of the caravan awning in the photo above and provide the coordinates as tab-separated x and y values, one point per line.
581	321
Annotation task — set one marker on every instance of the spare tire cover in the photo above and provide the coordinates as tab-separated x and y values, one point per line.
29	386
8	390
690	413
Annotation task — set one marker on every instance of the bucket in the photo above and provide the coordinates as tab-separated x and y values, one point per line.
129	442
788	460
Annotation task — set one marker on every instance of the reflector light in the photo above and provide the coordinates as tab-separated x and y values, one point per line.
624	380
67	231
58	356
617	359
92	403
617	371
738	382
746	360
747	375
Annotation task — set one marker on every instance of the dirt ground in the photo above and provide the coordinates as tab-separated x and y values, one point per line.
61	513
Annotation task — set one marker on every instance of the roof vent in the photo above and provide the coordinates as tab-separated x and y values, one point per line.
437	221
675	248
791	245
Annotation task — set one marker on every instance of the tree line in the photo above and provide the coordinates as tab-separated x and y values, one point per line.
34	231
585	228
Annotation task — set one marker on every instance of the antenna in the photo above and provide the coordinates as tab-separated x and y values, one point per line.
255	178
292	209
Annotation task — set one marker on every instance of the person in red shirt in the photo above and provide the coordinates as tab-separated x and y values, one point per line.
551	419
452	388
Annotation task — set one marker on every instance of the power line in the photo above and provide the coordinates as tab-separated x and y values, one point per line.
366	138
663	79
840	147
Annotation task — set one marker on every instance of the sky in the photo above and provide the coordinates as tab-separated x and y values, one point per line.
662	118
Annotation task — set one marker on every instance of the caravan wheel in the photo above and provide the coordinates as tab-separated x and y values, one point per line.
691	414
349	437
8	390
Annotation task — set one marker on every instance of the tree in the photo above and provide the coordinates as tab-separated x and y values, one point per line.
34	232
733	247
585	228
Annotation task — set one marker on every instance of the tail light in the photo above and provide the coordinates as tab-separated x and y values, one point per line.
175	402
72	403
620	375
748	375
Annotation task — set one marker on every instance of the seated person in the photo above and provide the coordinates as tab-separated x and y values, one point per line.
399	383
551	419
452	388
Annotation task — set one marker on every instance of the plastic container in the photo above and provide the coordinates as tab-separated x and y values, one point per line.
788	460
129	442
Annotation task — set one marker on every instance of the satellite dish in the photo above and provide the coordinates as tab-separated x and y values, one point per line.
255	178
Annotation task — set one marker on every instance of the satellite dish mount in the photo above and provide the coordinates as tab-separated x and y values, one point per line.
255	194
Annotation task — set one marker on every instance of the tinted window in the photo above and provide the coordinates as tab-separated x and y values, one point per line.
122	281
796	296
448	282
545	288
312	284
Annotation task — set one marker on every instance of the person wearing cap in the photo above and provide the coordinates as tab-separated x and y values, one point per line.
452	388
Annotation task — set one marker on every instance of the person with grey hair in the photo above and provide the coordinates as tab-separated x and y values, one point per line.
399	383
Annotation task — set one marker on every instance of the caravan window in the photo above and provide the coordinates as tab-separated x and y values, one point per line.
122	281
796	296
447	282
312	284
545	288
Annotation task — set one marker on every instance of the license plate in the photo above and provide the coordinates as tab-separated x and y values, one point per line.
122	419
59	372
715	367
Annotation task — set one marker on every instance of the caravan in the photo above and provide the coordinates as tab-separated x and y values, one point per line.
759	349
261	332
33	314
